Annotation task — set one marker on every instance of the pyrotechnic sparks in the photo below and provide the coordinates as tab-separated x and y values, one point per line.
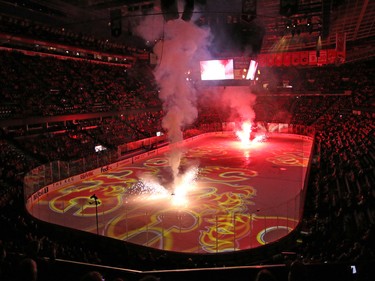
183	184
150	189
258	139
244	134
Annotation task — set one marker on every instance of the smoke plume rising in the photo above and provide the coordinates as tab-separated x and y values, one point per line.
179	46
240	102
182	45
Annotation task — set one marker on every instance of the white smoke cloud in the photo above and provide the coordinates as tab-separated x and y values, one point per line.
179	52
235	102
241	101
150	27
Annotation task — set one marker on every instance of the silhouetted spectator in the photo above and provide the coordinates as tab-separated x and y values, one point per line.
265	275
149	278
92	276
297	272
27	270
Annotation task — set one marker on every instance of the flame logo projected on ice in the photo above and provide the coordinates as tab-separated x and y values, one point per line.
244	134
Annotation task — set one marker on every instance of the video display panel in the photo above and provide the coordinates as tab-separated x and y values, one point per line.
217	69
225	70
252	70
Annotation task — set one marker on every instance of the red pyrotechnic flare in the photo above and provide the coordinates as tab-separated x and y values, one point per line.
244	134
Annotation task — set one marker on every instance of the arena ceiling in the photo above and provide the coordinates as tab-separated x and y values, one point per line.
355	18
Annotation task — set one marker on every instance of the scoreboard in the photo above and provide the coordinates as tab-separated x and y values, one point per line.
230	71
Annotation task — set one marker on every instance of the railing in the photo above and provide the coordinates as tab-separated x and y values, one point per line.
56	171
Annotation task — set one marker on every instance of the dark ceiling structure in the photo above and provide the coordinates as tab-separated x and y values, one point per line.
270	26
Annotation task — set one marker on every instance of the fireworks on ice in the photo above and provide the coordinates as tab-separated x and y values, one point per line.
149	188
244	135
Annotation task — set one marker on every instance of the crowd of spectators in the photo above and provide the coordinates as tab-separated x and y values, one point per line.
299	80
60	87
339	217
340	214
39	31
